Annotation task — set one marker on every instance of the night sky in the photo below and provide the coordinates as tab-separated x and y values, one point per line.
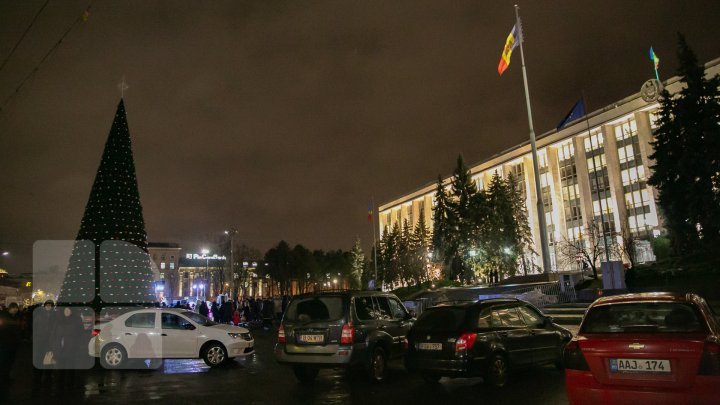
284	118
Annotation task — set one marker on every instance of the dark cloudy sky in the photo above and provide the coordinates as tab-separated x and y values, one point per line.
283	118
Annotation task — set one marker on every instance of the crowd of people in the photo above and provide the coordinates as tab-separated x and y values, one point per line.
248	311
58	336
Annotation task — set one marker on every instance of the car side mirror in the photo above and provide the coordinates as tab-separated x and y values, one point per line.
189	326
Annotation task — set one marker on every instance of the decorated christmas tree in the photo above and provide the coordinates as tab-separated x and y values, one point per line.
109	263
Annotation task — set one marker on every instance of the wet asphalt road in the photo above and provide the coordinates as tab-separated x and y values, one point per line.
259	380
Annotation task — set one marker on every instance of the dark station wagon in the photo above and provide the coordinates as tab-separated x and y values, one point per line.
342	329
487	338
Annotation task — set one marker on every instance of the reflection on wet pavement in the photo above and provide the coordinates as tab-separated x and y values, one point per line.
184	366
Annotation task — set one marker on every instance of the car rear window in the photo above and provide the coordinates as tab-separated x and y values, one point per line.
643	317
312	309
441	319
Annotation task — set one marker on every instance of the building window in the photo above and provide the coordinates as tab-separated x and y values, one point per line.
172	266
162	266
654	119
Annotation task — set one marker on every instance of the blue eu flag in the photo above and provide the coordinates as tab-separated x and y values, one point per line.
577	111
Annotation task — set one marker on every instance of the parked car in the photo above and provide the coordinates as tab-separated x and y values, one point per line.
342	329
488	338
645	348
167	333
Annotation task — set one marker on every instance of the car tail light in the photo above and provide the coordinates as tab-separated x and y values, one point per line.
281	334
573	358
710	361
465	342
348	334
95	332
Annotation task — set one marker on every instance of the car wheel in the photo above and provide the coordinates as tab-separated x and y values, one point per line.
214	354
305	374
378	365
430	378
497	372
113	356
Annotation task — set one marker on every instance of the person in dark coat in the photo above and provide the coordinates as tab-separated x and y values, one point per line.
9	341
203	310
227	311
215	312
69	344
43	326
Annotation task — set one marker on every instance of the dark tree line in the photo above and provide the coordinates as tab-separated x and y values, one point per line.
312	268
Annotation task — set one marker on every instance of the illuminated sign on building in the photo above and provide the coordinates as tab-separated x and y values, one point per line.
197	256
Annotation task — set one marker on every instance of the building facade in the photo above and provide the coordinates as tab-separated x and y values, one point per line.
165	258
595	168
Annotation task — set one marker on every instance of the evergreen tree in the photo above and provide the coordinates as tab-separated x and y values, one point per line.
405	255
421	248
441	226
358	265
521	233
460	220
115	268
687	157
498	256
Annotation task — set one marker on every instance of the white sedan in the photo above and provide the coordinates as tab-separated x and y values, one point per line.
165	333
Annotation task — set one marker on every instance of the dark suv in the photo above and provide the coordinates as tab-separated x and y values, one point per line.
486	338
342	329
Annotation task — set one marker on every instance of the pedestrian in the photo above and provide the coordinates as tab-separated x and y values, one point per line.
9	341
236	318
203	309
68	344
215	311
227	311
43	327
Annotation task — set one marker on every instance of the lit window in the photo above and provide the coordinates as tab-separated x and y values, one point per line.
172	266
162	266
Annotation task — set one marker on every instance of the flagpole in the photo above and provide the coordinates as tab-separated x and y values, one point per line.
372	207
538	190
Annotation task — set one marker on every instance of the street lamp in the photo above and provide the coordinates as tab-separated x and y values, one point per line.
232	232
205	253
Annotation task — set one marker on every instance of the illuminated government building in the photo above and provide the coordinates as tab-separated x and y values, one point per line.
616	149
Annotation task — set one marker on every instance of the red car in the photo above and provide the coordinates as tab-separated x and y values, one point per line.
650	348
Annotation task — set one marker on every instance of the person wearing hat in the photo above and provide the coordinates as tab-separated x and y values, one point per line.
9	340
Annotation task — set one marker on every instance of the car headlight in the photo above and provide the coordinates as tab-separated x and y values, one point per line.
245	336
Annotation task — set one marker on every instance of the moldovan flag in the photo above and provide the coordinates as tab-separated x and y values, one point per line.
511	42
654	58
370	211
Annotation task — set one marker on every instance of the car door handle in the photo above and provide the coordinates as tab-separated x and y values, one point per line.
163	334
128	334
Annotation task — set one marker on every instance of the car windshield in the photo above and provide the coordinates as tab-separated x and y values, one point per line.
446	319
313	309
643	317
199	319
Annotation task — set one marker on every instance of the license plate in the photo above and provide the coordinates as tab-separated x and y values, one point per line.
311	338
430	346
640	365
